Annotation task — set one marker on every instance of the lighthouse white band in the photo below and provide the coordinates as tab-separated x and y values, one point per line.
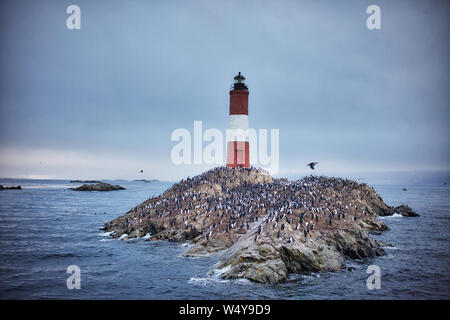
238	121
237	128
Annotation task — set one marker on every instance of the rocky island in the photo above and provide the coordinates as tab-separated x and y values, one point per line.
102	186
10	188
264	228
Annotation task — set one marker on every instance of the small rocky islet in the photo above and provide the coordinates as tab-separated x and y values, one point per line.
264	228
10	188
101	186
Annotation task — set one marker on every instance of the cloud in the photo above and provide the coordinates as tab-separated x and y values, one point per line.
117	88
71	164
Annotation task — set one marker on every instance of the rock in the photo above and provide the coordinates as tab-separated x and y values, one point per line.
10	188
261	263
404	210
263	228
98	187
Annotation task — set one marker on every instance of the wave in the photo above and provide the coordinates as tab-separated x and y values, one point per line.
60	255
391	248
105	234
206	281
219	271
215	276
312	275
395	215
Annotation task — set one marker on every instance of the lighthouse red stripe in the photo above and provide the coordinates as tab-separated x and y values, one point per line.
238	154
238	102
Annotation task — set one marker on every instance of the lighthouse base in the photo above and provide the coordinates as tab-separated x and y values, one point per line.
238	154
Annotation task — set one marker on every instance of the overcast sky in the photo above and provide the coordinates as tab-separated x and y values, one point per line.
102	102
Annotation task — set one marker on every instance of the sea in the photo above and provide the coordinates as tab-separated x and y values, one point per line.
46	227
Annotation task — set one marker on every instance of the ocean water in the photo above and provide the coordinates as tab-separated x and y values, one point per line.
46	227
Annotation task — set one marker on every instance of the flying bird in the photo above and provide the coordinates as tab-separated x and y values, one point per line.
142	171
312	165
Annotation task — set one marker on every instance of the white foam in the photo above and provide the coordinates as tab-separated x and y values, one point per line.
104	234
395	215
123	236
218	272
148	235
243	280
206	280
311	275
186	246
215	276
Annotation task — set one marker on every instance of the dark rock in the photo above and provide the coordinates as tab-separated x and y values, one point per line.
404	210
145	180
98	187
10	188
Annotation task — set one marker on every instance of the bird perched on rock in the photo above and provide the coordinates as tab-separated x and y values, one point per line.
312	165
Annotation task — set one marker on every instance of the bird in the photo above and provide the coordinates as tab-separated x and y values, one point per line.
142	171
312	165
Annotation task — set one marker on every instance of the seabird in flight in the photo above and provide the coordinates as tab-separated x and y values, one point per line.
312	165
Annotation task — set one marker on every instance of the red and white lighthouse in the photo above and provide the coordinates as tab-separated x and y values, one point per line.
238	154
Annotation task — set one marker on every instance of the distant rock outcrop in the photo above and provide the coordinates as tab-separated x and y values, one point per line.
98	187
10	188
264	228
404	210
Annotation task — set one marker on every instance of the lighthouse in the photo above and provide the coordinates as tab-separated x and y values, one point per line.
238	154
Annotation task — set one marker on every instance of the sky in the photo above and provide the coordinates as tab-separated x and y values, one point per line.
102	102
